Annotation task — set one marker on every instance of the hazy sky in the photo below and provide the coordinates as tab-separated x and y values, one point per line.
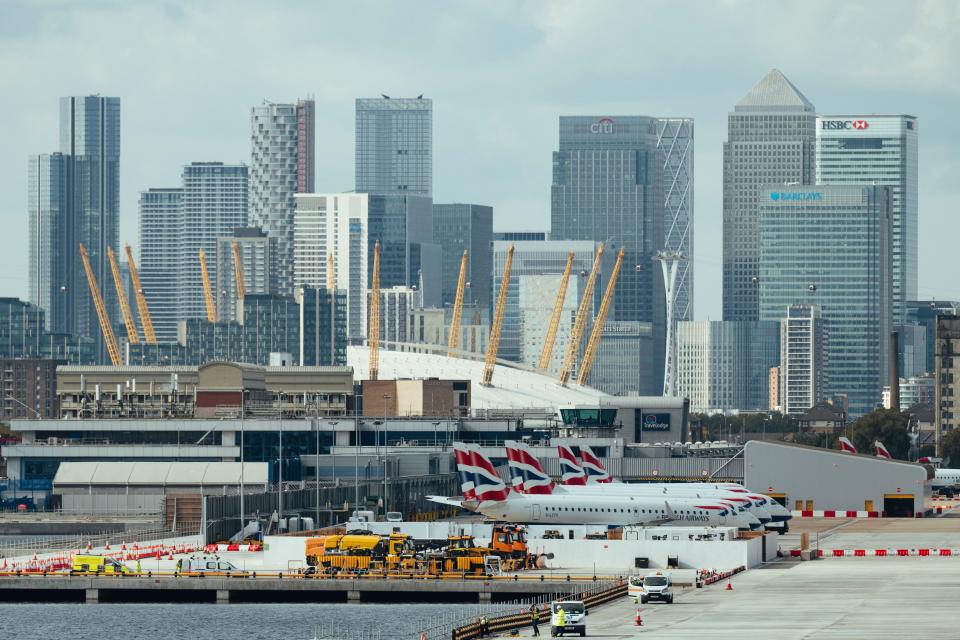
499	73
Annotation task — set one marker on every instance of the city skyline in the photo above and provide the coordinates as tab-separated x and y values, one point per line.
493	150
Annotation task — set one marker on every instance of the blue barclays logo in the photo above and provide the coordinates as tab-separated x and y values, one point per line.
795	195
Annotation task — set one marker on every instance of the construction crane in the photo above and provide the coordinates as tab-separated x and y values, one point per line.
132	334
207	292
453	344
108	335
547	352
374	320
576	334
493	344
145	318
591	352
238	271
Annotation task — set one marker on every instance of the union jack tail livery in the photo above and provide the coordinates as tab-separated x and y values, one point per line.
592	466
846	446
526	472
571	473
479	479
882	450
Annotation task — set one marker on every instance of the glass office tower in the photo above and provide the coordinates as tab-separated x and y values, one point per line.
770	140
394	145
830	246
160	212
878	150
608	187
458	228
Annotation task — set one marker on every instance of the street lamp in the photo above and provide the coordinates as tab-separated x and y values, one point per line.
280	451
386	439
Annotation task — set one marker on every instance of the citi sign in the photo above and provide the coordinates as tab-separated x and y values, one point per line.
795	195
603	125
859	125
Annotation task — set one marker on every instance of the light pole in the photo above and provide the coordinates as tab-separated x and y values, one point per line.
386	439
242	513
280	451
356	460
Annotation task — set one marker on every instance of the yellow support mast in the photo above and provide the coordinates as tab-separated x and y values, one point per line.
207	292
108	336
493	345
576	334
551	338
132	334
591	352
373	334
453	344
142	307
238	271
331	281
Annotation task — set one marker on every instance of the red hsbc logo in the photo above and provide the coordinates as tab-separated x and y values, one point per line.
860	124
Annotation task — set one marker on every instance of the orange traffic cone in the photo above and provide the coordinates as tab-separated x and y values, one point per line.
106	547
729	586
638	621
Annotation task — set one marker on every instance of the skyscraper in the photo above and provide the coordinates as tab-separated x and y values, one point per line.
830	246
347	225
160	227
458	228
675	142
878	150
608	187
281	164
770	140
215	202
394	145
52	287
803	357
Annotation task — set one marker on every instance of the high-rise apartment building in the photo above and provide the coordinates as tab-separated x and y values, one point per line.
323	327
878	150
608	187
830	246
675	142
257	259
536	258
52	284
803	354
347	225
90	135
394	145
160	226
281	164
214	204
771	136
458	228
73	198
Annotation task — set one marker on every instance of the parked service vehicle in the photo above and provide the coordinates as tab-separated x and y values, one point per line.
207	565
568	616
657	586
98	565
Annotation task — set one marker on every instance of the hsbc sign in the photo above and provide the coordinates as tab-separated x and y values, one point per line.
832	125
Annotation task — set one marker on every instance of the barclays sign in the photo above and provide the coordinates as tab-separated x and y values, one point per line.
777	196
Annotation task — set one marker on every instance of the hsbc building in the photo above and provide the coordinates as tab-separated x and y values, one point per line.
878	150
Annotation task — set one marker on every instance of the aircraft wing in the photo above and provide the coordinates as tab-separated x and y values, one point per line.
451	502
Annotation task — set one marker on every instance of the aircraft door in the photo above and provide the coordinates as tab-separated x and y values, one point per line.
536	512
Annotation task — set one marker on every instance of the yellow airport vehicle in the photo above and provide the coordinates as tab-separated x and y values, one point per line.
101	565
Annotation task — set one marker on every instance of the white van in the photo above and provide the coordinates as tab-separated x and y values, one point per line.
207	565
657	586
573	618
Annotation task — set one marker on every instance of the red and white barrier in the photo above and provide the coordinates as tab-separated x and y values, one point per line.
882	553
830	513
64	560
220	548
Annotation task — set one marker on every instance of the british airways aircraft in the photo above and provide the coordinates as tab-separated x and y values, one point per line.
484	492
528	475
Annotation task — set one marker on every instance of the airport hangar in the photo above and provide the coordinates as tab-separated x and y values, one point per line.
812	479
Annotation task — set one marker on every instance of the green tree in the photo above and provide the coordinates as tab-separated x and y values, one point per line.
950	447
889	426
